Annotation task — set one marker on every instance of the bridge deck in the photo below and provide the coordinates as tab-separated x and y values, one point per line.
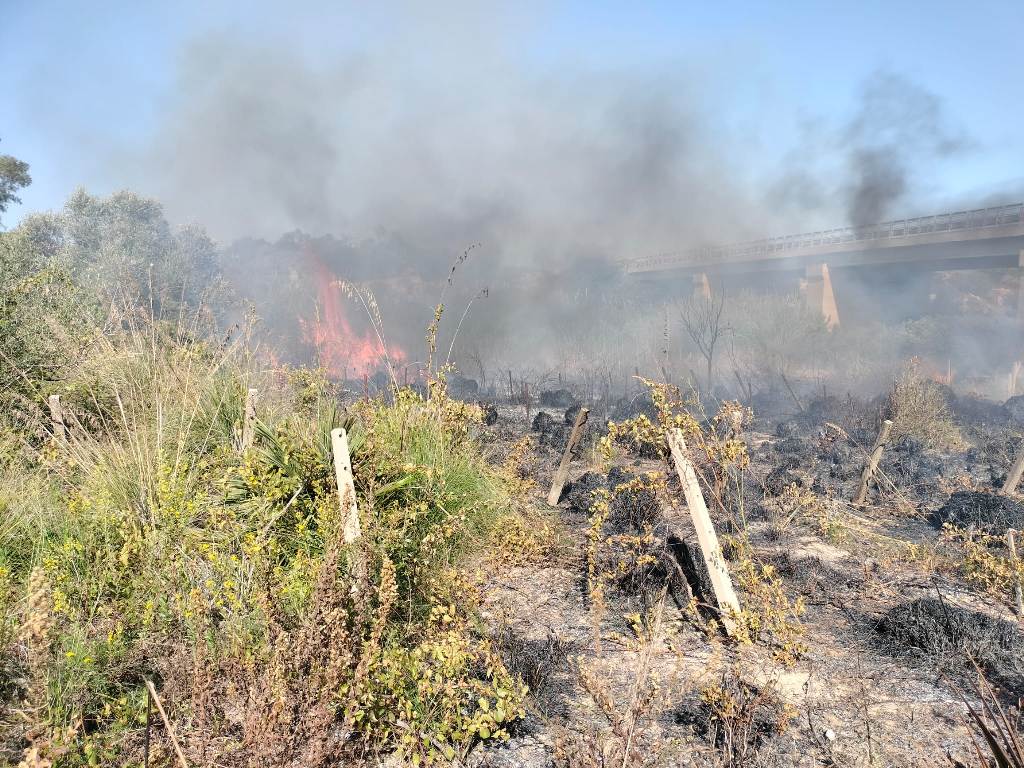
988	235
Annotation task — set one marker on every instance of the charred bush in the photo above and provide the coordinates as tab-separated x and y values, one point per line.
841	461
580	494
558	437
640	404
738	718
556	434
462	387
571	413
634	505
788	428
978	410
824	409
990	512
543	422
949	636
814	577
781	478
557	398
909	464
794	446
1014	408
490	410
691	561
537	662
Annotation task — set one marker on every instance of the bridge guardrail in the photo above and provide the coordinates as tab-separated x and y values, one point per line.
979	218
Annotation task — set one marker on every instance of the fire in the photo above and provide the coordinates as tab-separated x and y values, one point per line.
343	351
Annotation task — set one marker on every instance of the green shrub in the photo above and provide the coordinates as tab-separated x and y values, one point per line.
148	546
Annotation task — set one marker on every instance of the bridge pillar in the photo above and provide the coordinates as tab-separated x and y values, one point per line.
1020	287
701	286
818	294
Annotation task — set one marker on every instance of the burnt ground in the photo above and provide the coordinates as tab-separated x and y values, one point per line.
889	618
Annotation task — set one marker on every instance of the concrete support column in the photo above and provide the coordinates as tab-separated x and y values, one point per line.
701	286
1020	287
819	296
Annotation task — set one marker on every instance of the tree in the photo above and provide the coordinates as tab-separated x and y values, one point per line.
702	318
122	247
13	176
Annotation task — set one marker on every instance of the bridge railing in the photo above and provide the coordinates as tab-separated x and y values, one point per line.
946	222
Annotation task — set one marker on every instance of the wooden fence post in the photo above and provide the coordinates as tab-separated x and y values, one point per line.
872	465
57	417
1018	598
526	400
249	418
346	485
1013	478
563	467
721	583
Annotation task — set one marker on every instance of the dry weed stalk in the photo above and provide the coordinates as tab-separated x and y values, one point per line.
631	738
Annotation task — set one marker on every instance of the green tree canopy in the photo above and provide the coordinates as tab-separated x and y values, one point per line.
13	177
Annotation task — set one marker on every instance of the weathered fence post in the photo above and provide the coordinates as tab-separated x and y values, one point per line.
721	583
563	466
799	405
1013	478
57	417
249	418
526	400
1018	598
346	485
872	465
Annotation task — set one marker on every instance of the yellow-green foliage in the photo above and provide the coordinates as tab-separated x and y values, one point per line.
623	557
766	610
983	559
440	692
148	546
714	445
518	540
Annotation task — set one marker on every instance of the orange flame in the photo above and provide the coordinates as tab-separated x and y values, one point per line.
343	352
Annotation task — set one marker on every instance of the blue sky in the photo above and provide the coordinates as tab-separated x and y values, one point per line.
86	85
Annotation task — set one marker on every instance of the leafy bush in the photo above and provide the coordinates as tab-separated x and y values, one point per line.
146	545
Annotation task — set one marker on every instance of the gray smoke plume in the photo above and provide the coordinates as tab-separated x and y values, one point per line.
543	168
386	170
898	130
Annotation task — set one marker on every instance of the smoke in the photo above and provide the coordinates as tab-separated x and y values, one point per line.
899	131
389	170
540	167
874	165
387	162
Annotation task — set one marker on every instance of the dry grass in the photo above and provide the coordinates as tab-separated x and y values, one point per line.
918	409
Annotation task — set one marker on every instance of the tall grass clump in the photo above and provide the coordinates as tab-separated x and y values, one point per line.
147	545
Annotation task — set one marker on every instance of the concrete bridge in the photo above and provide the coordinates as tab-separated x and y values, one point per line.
986	238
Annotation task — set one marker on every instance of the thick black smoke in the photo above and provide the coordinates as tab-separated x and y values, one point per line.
898	132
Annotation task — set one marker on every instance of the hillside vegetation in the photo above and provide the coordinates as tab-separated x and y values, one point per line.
146	545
